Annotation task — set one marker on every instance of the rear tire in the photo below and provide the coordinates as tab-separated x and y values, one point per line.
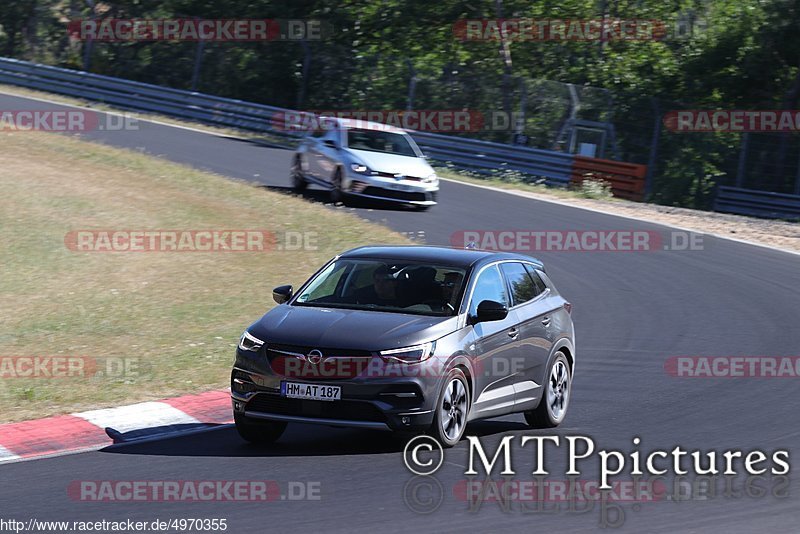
258	432
452	410
299	182
552	408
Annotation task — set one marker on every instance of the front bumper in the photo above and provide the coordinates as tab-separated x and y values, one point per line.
381	404
392	190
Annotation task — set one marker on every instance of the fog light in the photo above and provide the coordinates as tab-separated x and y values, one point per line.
242	386
406	420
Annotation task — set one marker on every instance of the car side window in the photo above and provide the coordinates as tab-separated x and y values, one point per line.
523	287
488	286
537	280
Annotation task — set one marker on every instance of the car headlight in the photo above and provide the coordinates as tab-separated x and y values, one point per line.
359	168
430	179
249	342
415	354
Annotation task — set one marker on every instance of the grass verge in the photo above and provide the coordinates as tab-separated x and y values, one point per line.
266	138
515	182
172	317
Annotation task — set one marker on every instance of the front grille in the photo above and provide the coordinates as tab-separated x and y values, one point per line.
392	175
337	364
397	195
341	409
274	348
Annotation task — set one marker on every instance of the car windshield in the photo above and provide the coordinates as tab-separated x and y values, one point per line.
381	141
386	285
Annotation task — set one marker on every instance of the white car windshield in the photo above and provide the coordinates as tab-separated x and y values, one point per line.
381	141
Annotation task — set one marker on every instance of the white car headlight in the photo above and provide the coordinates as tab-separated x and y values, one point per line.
359	168
415	354
431	179
248	342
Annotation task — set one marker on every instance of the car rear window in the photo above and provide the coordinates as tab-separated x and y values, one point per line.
523	286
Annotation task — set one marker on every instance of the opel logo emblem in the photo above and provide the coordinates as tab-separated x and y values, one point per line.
314	357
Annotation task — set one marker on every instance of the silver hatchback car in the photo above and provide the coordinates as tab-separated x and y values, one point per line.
356	158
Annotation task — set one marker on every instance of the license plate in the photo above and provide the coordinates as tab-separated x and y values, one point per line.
401	187
297	390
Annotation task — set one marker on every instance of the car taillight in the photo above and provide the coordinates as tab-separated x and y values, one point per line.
568	307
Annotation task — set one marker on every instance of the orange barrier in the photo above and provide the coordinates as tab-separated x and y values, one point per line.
626	179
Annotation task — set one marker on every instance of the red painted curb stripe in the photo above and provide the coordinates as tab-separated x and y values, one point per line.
51	435
208	407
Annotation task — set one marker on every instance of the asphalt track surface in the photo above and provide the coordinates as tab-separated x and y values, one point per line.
632	311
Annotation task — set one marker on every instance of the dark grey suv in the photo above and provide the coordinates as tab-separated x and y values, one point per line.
409	338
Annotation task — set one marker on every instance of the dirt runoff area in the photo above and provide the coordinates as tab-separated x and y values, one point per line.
778	234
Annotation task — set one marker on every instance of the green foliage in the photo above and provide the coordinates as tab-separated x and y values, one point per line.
596	188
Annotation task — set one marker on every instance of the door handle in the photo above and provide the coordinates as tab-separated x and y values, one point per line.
513	333
546	321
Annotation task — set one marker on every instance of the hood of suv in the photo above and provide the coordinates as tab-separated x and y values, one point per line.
394	163
349	329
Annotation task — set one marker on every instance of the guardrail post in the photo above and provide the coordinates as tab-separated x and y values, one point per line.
797	178
88	43
742	160
198	62
651	161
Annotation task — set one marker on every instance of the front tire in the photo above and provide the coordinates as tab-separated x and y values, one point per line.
452	409
299	183
257	431
337	193
555	398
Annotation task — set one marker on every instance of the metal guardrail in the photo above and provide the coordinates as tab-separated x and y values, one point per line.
485	157
757	203
145	97
481	157
627	179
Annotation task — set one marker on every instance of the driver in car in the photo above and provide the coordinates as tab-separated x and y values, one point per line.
383	290
450	288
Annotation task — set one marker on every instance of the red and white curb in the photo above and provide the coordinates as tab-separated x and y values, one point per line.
94	429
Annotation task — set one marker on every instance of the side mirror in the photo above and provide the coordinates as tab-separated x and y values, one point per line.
330	143
282	294
490	310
